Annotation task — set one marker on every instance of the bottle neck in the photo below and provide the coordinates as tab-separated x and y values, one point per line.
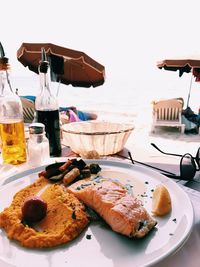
45	99
44	83
5	85
10	104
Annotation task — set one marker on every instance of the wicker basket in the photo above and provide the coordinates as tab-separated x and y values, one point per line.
106	138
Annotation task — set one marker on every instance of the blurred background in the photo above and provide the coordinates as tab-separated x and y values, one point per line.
127	37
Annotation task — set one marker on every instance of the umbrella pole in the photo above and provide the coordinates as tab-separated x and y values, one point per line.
189	91
58	89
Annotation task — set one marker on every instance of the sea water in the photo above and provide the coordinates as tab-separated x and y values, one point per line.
128	100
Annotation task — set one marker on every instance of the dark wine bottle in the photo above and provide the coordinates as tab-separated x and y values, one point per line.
47	108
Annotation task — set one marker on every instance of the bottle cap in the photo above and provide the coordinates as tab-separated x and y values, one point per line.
3	59
36	128
44	64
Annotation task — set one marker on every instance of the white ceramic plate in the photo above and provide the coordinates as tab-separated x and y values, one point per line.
106	248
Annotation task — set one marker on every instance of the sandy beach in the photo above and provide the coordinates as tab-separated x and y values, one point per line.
167	139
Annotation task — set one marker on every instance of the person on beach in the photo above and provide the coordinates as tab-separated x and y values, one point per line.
189	118
67	114
191	121
82	115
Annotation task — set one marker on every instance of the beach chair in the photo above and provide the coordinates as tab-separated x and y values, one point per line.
28	110
168	113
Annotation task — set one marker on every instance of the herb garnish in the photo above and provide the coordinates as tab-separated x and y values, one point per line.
88	236
97	179
129	187
144	195
74	215
25	223
84	185
142	224
78	188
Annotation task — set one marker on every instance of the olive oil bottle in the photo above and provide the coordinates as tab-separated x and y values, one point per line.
12	135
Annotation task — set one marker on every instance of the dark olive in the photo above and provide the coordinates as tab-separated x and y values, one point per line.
94	168
52	172
34	209
56	178
80	164
71	167
54	166
53	169
86	173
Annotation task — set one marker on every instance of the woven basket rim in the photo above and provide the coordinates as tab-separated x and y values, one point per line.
99	133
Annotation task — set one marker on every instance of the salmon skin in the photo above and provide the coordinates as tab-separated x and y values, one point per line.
123	212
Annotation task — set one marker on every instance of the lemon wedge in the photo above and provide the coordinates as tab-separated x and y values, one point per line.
161	201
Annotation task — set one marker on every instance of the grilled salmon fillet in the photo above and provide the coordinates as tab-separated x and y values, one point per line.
122	212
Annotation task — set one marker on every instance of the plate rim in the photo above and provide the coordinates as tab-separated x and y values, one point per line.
118	163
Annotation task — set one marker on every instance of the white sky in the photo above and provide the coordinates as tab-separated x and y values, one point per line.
126	36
